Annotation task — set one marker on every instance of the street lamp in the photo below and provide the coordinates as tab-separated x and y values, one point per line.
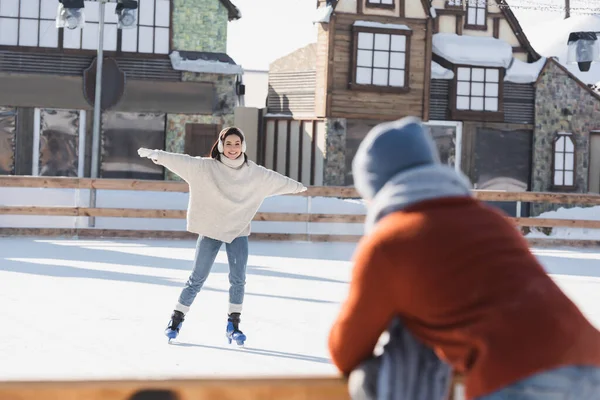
70	14
583	49
127	13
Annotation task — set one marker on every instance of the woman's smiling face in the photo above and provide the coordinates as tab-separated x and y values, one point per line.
232	148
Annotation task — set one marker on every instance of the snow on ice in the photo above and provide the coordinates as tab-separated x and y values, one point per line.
97	309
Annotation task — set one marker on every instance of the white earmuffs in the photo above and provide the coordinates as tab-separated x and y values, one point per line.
220	145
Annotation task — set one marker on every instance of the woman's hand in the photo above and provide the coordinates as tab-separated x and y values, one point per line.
151	154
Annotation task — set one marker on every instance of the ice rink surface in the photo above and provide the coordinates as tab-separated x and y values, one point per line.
97	309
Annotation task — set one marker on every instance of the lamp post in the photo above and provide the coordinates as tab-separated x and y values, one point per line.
70	16
98	96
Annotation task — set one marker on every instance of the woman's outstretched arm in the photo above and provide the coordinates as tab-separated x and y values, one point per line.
181	164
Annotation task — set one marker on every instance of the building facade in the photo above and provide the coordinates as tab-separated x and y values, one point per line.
167	84
467	70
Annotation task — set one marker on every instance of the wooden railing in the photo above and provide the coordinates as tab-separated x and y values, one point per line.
313	388
337	192
268	388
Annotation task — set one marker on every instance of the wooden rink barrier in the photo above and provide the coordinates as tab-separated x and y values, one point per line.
300	388
182	187
267	388
321	191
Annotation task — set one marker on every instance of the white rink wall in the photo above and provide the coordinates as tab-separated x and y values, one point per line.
173	201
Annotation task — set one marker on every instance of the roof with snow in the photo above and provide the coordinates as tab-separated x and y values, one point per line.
204	62
234	12
522	72
550	40
439	72
323	14
373	24
472	50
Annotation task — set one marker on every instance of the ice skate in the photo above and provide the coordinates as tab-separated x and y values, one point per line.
233	331
174	325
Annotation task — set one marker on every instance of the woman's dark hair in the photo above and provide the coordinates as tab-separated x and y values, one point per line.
214	152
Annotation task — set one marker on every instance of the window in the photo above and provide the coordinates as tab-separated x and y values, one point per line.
33	23
564	161
381	3
8	121
476	14
454	4
381	59
87	37
152	33
28	23
478	89
122	134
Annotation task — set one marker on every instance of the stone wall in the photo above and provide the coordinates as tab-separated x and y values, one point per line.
334	168
561	104
223	113
199	25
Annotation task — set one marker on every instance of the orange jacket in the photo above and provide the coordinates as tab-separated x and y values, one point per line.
464	282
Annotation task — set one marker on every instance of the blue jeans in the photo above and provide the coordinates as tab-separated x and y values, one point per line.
206	252
566	383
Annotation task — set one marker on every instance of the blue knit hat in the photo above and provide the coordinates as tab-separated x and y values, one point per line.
390	148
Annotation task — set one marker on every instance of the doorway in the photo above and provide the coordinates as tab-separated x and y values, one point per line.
199	139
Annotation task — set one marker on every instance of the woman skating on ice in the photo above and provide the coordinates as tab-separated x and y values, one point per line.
225	192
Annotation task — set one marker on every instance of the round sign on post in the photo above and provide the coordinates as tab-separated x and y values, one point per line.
113	83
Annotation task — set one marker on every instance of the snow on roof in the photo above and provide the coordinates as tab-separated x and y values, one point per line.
372	24
204	65
550	40
472	50
323	14
522	72
433	12
439	72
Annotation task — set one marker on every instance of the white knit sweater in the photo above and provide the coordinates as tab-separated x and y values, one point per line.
223	200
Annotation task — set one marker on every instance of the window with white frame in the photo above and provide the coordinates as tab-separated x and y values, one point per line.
454	3
564	160
476	13
381	3
33	23
86	38
152	32
381	58
477	89
30	23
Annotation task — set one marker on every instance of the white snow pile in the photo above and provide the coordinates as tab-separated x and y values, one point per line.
439	72
472	50
323	14
522	72
380	25
433	12
204	66
575	213
549	39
